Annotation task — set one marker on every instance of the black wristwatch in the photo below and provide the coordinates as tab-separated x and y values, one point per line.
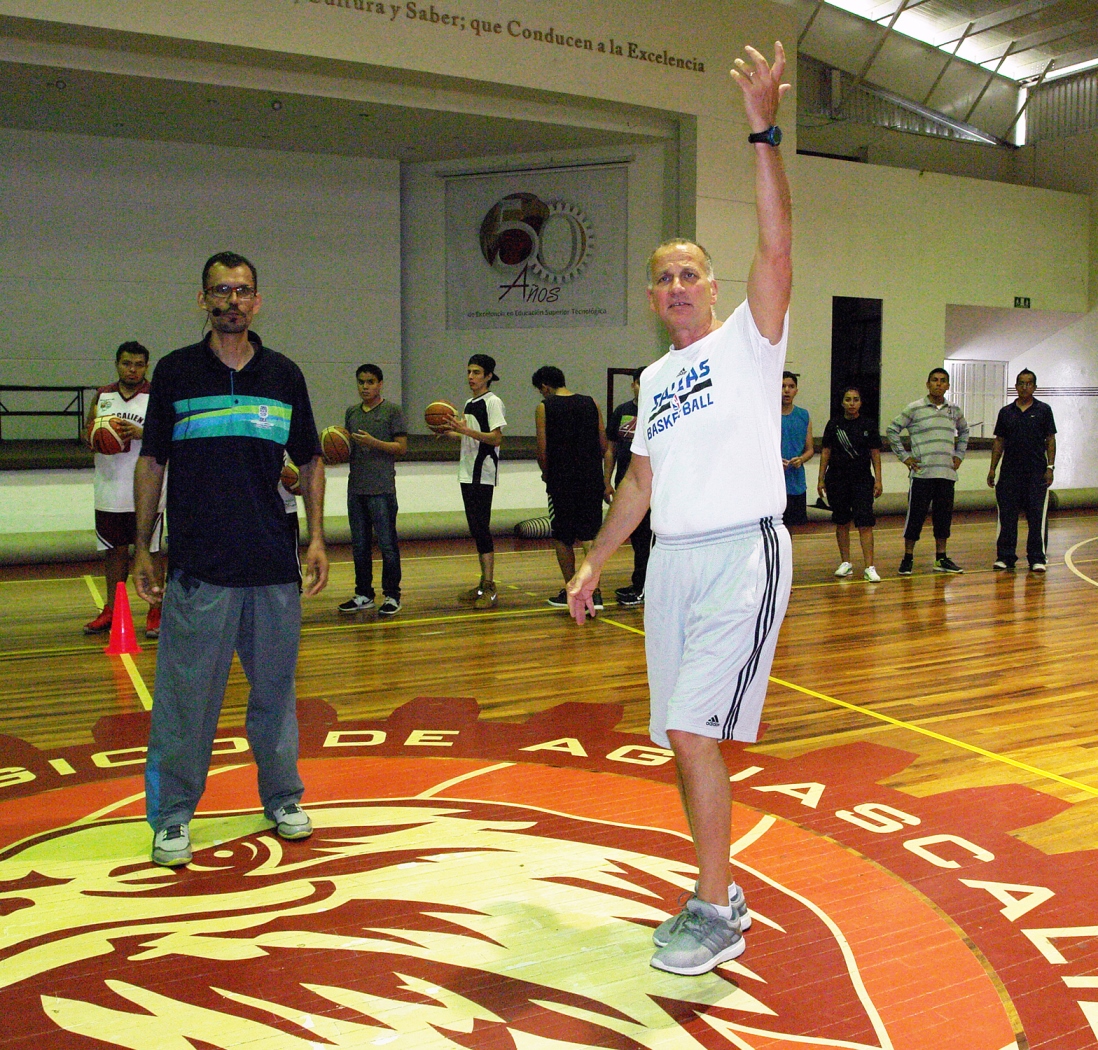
772	136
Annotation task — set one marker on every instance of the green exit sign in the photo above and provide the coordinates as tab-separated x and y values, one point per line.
1022	302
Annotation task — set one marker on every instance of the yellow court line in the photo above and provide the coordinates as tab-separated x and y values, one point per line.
1070	562
138	682
939	737
96	596
919	729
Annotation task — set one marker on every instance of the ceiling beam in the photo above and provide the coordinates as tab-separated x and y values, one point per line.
990	80
867	65
948	63
996	19
1029	95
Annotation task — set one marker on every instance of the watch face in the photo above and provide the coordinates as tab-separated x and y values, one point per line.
775	136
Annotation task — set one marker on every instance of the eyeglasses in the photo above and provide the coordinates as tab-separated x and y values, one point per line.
222	293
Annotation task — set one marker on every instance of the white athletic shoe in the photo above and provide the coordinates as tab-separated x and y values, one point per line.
871	575
845	569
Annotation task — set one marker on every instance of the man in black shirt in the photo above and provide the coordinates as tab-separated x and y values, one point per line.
1025	441
571	446
619	437
223	412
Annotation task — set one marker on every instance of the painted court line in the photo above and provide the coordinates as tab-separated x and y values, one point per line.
1069	561
982	752
432	791
940	737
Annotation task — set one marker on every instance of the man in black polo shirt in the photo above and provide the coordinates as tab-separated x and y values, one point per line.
1025	440
222	412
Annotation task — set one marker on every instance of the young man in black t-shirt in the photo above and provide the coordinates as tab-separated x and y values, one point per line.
1025	440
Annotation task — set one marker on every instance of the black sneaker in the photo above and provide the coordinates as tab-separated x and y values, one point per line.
947	564
560	601
389	607
907	565
628	597
359	603
596	600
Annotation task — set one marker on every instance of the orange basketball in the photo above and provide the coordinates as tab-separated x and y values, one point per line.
438	414
336	444
291	478
105	436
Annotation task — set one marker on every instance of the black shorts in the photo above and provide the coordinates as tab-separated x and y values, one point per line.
575	515
796	509
851	499
119	529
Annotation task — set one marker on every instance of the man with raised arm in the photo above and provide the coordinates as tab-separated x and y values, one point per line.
222	412
707	458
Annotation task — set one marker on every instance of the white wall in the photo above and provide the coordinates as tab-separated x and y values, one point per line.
103	240
920	241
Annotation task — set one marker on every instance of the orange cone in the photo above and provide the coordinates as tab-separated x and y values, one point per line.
123	638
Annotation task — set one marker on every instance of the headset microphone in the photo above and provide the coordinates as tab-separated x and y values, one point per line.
216	311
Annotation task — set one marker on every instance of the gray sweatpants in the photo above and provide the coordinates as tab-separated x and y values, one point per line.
202	625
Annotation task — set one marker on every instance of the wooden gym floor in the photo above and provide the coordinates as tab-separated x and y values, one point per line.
916	828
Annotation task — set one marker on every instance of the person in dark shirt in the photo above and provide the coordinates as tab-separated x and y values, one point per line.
222	412
850	480
619	438
571	446
1025	441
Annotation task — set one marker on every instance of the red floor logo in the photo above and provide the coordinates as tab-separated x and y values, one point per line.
489	885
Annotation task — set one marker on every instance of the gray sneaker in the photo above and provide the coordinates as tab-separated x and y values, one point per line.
292	822
667	929
172	846
702	942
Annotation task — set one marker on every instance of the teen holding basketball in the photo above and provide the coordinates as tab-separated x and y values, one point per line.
124	400
379	437
481	432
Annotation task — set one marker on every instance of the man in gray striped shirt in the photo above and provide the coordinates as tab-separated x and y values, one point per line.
939	436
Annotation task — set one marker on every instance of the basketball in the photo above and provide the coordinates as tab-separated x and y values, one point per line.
336	443
105	438
438	414
291	478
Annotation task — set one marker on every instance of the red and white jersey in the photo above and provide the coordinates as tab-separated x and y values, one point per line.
114	474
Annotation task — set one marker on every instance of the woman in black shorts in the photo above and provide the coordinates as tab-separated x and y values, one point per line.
850	478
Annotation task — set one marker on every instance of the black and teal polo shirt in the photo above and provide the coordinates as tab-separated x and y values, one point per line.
221	434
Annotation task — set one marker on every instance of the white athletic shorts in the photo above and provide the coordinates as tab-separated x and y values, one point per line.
713	606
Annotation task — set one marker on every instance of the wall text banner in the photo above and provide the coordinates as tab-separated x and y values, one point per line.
537	249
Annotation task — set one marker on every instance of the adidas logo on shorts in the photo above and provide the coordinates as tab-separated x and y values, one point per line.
714	721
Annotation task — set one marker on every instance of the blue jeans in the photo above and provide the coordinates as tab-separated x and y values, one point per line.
372	516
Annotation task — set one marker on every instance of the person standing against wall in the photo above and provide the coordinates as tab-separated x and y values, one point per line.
1025	441
571	446
619	438
850	478
797	450
480	429
379	437
939	437
126	400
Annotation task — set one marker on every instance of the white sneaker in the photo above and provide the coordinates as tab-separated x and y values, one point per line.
871	575
846	569
1038	566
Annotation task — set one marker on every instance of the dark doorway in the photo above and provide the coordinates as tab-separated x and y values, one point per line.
856	352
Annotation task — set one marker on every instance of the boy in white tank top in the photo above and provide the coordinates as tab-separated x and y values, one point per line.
115	520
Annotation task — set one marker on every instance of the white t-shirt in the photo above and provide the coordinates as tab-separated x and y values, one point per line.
709	419
480	462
